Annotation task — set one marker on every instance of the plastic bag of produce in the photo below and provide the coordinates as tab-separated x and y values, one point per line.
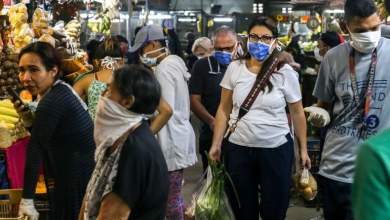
306	185
212	202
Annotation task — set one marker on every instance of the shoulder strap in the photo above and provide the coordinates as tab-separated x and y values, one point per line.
259	85
255	91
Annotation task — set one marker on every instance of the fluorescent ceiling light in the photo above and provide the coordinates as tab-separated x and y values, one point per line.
223	19
186	19
334	11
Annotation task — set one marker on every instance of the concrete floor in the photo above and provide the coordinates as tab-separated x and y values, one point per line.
192	175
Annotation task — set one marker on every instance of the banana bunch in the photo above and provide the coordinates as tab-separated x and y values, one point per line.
21	33
22	36
73	29
101	24
8	114
40	23
11	127
18	14
72	33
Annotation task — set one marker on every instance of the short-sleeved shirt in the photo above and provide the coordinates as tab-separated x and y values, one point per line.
334	86
266	124
177	137
205	82
142	180
371	189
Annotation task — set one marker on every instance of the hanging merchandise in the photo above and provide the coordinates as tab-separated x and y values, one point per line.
100	24
21	35
72	33
66	10
111	8
40	23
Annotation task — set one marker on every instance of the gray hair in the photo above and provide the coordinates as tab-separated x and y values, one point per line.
224	30
202	42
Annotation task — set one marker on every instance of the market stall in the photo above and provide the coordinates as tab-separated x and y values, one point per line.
17	31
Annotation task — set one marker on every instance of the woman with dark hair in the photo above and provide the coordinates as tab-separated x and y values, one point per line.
61	136
108	56
130	180
258	149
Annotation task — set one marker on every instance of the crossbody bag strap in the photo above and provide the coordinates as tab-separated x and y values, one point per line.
255	91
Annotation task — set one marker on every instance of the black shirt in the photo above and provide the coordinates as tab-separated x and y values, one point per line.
142	180
205	82
61	138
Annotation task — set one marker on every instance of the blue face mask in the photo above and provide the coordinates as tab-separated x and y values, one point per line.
259	50
223	57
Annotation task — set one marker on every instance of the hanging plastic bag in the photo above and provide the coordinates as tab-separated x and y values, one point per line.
212	202
189	213
306	185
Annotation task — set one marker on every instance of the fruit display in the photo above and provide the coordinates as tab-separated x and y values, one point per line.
9	70
100	24
72	32
8	115
306	185
21	34
11	127
308	46
40	23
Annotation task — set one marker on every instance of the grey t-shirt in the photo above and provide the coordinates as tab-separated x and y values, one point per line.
334	86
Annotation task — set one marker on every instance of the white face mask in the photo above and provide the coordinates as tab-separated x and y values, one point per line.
365	42
317	54
152	61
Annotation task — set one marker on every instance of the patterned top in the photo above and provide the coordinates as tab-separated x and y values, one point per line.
94	91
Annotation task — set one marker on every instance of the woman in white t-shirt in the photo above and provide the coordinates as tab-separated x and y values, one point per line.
259	153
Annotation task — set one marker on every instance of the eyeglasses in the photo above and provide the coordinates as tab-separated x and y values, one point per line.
227	49
264	38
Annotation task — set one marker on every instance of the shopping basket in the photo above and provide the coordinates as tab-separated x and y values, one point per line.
9	204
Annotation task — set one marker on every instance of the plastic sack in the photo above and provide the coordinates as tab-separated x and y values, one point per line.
212	202
306	185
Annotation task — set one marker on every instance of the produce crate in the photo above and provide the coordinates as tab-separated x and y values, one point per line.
314	151
9	204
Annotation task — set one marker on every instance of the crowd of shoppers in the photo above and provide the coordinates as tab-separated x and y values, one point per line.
115	146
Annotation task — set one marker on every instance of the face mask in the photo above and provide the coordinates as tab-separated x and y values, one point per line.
317	54
223	57
152	61
365	42
260	51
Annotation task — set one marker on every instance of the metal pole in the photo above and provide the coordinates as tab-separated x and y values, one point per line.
203	18
130	13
